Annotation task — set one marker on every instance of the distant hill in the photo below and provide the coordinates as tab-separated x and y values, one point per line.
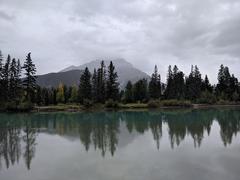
71	75
68	78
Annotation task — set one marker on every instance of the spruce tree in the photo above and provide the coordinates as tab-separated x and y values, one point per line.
175	84
206	86
227	84
45	96
5	81
95	86
169	88
155	85
112	83
18	79
1	64
85	87
193	84
140	90
128	95
179	85
39	98
1	77
13	80
101	83
66	94
29	81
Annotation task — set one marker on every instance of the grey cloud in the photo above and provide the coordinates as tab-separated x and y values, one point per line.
5	16
144	32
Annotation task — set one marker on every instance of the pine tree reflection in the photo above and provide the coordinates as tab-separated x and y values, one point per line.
103	130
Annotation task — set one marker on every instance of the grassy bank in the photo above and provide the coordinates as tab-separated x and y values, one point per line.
116	106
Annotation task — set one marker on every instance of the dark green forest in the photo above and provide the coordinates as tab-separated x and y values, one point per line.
19	90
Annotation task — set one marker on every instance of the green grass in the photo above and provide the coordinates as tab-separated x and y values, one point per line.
133	105
174	102
60	107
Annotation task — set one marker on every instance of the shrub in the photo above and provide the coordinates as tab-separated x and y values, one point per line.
223	102
153	104
174	102
25	106
11	106
207	98
87	103
235	96
111	104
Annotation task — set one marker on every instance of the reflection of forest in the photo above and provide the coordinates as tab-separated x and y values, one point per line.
102	130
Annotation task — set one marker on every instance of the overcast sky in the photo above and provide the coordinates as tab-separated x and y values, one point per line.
60	33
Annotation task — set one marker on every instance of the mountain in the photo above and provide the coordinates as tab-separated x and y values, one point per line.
71	75
68	78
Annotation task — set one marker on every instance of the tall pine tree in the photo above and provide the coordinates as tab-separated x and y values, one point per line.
112	83
128	95
85	87
6	77
155	85
29	81
140	92
101	83
95	86
13	80
193	84
1	77
175	84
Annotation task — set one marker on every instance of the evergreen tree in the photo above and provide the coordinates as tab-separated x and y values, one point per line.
101	83
169	90
60	94
45	94
233	88
38	98
193	84
1	64
140	91
179	85
155	85
220	85
206	86
54	96
18	79
29	81
1	78
175	84
85	87
13	80
227	84
95	86
112	84
66	94
5	81
129	92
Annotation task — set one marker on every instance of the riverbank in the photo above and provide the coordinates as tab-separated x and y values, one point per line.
132	106
108	106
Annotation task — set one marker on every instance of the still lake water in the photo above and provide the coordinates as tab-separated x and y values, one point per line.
179	144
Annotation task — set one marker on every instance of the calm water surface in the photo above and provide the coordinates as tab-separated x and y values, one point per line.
189	144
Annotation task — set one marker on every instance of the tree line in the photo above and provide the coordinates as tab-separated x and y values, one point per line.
17	91
102	86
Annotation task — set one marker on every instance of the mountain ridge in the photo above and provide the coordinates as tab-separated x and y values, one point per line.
71	75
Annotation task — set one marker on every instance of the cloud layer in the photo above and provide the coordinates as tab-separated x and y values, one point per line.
144	32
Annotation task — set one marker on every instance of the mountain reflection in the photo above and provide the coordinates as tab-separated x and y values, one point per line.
103	130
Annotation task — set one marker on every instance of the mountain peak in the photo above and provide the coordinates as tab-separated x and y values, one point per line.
118	62
71	75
